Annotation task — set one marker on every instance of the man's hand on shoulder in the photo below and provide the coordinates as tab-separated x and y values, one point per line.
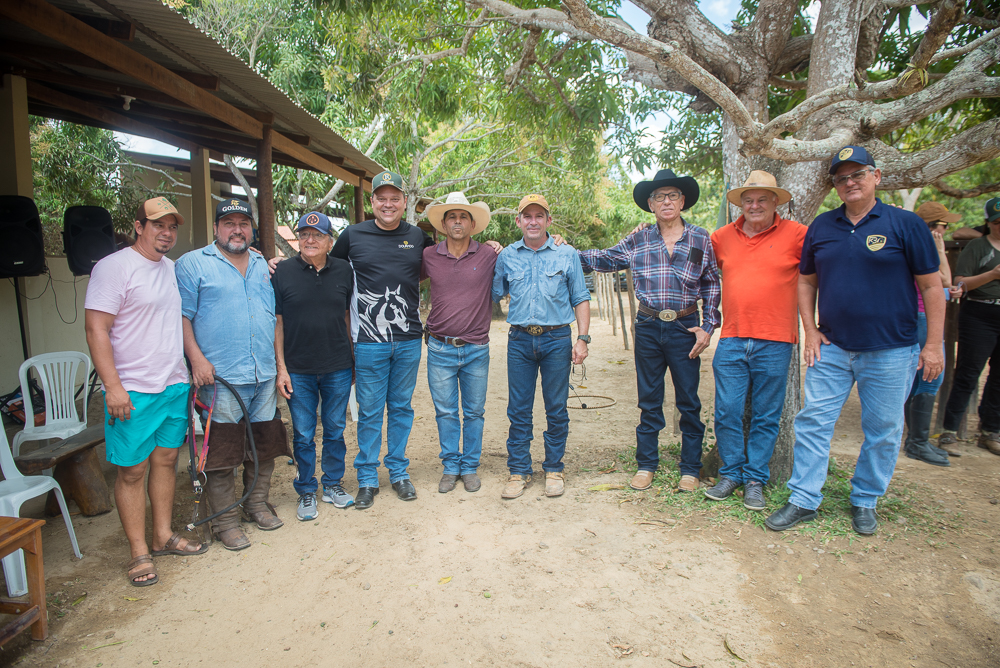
272	264
639	228
495	245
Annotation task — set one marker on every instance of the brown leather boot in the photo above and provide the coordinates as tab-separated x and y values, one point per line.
221	491
256	508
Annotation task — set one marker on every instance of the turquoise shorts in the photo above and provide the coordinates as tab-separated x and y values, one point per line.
158	420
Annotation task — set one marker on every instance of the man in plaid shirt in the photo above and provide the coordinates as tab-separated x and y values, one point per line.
673	266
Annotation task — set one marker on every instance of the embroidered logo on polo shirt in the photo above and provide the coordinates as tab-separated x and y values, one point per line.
845	154
875	242
406	245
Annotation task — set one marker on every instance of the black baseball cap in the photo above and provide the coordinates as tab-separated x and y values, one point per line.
234	205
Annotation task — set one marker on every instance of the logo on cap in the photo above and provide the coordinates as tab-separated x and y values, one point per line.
875	242
532	198
996	205
235	202
312	219
844	155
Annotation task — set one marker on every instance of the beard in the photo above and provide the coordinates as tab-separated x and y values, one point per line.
235	245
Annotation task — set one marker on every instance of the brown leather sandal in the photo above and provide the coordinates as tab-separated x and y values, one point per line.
142	565
170	547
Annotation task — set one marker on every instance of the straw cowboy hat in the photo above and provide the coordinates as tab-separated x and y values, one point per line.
663	179
758	180
479	211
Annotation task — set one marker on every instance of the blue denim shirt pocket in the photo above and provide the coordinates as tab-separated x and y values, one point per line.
553	282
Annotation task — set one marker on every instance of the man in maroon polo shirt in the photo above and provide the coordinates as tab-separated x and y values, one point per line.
457	334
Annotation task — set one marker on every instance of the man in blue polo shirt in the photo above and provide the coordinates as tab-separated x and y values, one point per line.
546	288
865	256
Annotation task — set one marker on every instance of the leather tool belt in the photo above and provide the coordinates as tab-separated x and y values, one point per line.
668	315
450	340
537	330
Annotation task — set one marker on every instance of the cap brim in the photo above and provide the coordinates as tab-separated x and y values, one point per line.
686	184
161	214
480	212
784	197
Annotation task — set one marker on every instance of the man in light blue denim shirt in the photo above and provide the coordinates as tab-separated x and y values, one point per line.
546	288
229	329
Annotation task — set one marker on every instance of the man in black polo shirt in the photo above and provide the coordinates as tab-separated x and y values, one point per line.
860	263
312	298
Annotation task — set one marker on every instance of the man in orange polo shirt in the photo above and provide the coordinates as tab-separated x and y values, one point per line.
758	256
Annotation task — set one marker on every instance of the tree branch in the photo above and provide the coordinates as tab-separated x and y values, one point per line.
238	173
962	50
788	84
909	170
527	57
428	58
959	193
948	15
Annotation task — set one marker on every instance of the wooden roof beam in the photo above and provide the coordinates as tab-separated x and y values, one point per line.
120	30
93	85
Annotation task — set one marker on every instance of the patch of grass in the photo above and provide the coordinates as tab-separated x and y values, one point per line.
905	509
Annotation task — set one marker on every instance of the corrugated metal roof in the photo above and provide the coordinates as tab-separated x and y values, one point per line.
166	37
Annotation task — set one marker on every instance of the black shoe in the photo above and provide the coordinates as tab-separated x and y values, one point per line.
753	496
788	516
864	520
404	490
365	498
722	489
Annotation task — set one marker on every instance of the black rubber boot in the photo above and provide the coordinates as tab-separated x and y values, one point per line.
918	412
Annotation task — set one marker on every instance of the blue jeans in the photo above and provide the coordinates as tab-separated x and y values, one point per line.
386	374
738	364
261	400
334	388
552	354
660	346
883	378
921	386
450	369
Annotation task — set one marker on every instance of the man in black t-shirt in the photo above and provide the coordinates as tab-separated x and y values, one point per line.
386	255
312	298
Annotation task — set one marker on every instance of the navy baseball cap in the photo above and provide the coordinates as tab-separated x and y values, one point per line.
234	205
315	221
851	154
992	209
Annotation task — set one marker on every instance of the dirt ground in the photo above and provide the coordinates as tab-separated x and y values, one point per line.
594	578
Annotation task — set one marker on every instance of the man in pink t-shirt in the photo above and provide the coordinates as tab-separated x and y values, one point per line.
133	322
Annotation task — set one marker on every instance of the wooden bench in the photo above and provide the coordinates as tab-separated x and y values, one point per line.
25	534
77	470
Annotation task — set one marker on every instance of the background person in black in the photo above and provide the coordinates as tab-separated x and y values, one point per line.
312	297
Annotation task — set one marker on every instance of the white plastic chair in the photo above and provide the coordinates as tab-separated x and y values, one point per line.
15	489
57	373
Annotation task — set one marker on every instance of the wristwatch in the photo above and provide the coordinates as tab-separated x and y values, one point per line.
585	338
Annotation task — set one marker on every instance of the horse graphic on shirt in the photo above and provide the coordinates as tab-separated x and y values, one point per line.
378	312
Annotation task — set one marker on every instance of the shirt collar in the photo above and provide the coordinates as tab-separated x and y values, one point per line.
519	244
213	249
305	265
738	225
442	248
876	212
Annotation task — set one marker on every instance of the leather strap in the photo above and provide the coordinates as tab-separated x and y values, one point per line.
450	340
667	315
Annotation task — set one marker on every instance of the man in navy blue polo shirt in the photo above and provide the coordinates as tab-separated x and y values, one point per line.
869	259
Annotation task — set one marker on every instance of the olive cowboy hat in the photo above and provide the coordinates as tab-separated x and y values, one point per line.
663	179
758	180
480	212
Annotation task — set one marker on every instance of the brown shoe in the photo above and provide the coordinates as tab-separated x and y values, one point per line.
642	480
447	483
990	440
472	482
554	485
515	487
948	441
233	539
689	483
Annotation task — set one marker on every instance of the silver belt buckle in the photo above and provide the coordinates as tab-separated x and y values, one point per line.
668	315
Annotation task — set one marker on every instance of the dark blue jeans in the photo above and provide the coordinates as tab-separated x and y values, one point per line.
552	354
660	346
334	389
738	364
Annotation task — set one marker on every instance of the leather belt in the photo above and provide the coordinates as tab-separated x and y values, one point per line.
450	340
537	330
984	301
668	315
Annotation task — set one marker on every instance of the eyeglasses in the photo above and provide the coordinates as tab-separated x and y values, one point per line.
856	177
673	196
310	235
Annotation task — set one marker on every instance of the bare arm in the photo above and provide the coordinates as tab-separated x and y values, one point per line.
283	381
202	371
979	280
98	326
932	355
808	288
945	267
582	311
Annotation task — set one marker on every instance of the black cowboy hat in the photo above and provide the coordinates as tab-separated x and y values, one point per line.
664	178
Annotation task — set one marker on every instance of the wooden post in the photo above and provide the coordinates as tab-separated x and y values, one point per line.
611	302
202	211
621	306
597	293
359	201
265	194
631	302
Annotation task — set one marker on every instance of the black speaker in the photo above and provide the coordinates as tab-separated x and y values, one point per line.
22	251
88	236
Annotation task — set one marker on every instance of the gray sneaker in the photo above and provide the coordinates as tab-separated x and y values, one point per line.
753	496
336	495
307	507
722	489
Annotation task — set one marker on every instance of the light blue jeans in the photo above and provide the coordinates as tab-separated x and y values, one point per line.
385	375
450	370
261	400
884	378
738	363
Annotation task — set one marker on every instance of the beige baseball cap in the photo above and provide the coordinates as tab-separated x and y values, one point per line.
534	198
156	208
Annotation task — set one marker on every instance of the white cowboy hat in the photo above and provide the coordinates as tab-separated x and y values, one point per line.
758	180
480	212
